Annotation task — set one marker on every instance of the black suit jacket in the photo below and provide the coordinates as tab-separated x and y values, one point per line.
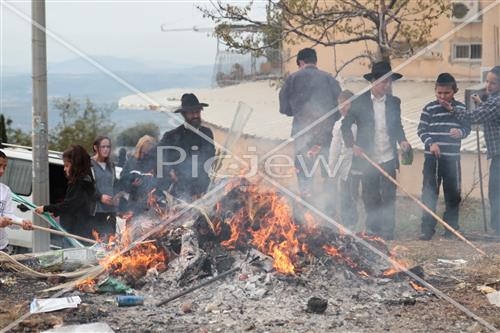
189	184
362	114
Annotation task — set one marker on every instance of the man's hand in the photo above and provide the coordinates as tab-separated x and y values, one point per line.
434	149
313	151
445	105
405	146
357	150
4	221
456	133
39	210
107	199
477	99
27	225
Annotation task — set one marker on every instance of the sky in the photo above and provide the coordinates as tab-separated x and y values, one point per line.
124	29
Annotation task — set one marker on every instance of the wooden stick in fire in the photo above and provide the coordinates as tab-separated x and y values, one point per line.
421	204
60	233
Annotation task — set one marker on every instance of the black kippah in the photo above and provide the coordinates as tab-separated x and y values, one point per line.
445	78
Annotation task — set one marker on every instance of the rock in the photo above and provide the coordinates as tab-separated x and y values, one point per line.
187	307
258	294
249	327
243	277
317	305
211	307
475	328
494	298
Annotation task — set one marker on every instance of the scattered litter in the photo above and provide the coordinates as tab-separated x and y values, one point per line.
51	259
54	304
456	262
8	281
494	298
114	286
317	305
129	300
85	328
485	289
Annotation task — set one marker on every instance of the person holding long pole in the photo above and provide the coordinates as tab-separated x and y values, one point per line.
377	114
487	113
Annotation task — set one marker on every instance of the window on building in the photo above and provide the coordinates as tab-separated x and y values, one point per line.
467	51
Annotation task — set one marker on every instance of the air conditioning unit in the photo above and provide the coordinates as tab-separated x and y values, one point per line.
464	10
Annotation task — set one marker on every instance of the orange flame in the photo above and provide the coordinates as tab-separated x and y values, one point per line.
417	287
274	234
398	264
87	285
137	261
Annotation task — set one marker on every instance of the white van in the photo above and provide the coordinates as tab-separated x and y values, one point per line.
18	176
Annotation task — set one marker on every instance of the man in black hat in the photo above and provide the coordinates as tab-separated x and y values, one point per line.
307	95
185	154
377	114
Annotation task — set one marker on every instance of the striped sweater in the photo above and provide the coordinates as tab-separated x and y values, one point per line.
434	127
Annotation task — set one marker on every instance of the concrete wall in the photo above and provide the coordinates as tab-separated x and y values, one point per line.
410	177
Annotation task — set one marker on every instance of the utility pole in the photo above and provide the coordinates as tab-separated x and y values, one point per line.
41	239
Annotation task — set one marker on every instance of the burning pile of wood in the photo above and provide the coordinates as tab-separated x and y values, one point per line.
247	218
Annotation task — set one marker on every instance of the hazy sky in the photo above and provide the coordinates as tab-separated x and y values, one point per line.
127	29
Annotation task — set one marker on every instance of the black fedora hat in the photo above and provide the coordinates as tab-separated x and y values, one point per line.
189	102
380	69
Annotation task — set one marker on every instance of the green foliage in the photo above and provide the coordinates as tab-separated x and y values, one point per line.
3	129
80	124
131	135
13	135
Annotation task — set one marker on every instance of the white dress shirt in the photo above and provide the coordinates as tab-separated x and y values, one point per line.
340	157
7	210
383	150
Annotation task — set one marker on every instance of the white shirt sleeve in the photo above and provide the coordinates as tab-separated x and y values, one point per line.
335	147
9	208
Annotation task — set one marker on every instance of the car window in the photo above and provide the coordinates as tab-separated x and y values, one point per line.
17	176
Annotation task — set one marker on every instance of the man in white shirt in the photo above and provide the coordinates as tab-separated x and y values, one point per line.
6	207
377	115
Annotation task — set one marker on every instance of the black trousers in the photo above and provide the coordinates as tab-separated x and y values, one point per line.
448	173
379	197
305	165
349	190
494	193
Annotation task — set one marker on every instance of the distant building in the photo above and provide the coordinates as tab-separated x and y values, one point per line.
466	54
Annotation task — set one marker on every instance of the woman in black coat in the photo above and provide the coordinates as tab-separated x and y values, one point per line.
137	176
79	203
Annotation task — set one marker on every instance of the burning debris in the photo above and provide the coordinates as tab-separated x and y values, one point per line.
247	219
253	234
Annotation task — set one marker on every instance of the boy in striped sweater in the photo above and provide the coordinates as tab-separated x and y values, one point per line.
441	132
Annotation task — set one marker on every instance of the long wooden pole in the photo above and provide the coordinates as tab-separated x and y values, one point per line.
424	207
481	186
57	232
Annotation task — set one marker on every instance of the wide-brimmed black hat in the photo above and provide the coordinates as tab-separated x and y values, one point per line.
189	102
380	69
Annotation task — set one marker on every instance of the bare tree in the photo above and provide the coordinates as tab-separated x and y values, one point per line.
383	28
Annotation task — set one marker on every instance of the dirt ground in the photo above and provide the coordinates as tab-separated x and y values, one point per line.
354	305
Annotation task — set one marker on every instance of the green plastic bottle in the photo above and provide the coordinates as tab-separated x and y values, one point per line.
407	157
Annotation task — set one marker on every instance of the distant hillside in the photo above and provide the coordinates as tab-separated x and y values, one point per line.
72	78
